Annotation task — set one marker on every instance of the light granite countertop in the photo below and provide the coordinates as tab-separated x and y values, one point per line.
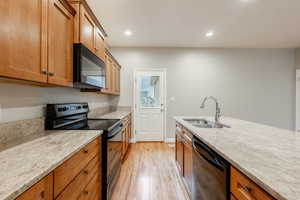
25	164
267	155
115	115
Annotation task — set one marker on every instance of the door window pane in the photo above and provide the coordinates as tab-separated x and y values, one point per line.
149	91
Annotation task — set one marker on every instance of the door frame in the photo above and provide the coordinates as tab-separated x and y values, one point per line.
164	75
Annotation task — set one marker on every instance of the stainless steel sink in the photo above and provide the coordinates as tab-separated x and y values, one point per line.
203	123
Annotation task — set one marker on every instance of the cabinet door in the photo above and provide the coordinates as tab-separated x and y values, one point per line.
113	77
43	190
123	142
87	29
108	63
179	152
23	39
118	72
99	44
188	163
60	55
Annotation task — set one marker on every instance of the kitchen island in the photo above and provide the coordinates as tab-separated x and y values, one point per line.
269	156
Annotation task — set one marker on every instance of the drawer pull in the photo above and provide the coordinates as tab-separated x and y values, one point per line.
86	192
86	172
85	151
248	189
42	194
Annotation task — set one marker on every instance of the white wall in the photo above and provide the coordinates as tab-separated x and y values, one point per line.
19	102
252	84
297	58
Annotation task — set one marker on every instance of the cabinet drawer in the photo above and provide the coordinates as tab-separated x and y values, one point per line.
75	188
244	189
43	190
92	190
66	172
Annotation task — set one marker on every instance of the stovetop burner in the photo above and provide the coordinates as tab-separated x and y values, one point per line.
74	116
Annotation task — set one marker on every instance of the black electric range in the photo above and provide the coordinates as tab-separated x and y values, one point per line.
74	116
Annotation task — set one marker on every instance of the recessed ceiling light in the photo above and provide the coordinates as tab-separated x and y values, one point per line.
128	32
209	34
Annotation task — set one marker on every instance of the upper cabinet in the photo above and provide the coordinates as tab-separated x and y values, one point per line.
88	29
37	38
23	40
36	43
91	34
99	44
113	75
60	55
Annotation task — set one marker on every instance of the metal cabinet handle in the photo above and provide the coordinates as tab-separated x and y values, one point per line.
85	151
248	189
51	74
86	192
42	194
44	71
86	172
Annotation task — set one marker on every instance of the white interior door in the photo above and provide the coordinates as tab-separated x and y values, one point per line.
149	105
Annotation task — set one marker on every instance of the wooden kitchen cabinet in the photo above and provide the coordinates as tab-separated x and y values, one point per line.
126	136
60	55
66	172
188	162
43	52
179	152
244	189
88	29
184	156
43	190
23	50
99	44
79	177
113	74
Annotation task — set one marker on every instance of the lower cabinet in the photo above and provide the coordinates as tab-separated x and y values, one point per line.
188	163
43	190
242	188
126	136
77	178
184	156
179	152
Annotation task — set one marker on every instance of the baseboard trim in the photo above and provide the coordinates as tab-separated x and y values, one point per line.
169	140
132	140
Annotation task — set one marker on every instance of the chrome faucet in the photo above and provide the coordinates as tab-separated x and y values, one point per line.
218	109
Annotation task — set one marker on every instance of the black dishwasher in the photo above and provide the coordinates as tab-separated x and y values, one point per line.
211	174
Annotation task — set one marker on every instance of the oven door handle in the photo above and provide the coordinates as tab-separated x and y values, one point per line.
115	132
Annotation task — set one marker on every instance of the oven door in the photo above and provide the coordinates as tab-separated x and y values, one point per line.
89	70
114	157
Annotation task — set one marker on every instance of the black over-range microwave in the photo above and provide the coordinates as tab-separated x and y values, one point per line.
89	70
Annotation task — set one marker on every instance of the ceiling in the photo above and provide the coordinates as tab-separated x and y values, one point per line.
184	23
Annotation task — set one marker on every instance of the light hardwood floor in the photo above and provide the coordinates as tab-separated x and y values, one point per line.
150	173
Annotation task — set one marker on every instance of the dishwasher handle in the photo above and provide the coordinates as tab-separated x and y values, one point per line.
210	156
